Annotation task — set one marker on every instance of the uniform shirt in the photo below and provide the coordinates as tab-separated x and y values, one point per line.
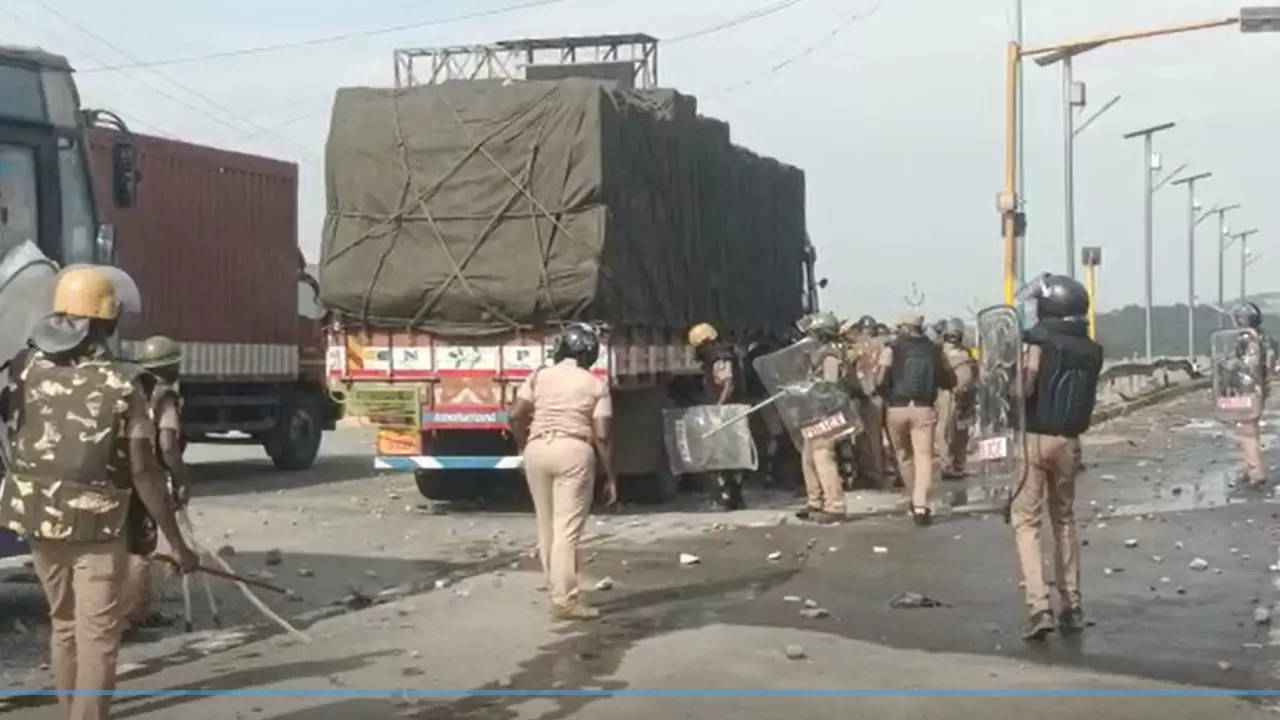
963	365
168	416
566	399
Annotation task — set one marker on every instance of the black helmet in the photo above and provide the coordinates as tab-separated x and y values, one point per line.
1061	297
866	322
1246	315
954	330
578	341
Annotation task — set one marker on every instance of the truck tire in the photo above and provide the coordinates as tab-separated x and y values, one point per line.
449	484
295	441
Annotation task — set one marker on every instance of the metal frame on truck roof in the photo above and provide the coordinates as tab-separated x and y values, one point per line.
634	55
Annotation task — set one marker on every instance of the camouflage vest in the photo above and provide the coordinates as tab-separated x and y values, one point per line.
70	478
159	393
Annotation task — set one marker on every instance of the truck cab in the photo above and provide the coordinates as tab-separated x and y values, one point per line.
46	194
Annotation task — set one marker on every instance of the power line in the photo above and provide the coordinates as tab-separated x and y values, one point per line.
325	39
195	93
807	50
734	21
57	39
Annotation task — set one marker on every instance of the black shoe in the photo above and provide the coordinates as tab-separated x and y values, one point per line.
922	516
1038	625
822	517
807	513
1072	621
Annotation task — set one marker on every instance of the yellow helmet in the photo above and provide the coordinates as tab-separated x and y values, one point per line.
701	333
86	292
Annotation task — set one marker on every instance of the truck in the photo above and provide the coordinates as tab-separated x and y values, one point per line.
469	219
208	235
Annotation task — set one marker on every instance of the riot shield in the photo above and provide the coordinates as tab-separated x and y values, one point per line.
810	408
1239	374
27	278
692	448
998	422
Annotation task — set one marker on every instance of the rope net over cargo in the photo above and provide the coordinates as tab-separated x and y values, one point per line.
483	207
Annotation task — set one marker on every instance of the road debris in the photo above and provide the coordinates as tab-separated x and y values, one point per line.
689	559
775	556
1199	564
226	551
1177	545
1157	559
811	603
816	613
1131	543
911	600
306	572
273	557
1261	616
879	550
606	583
791	598
794	652
1224	666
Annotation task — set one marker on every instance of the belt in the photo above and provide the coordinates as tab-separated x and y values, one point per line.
908	403
556	434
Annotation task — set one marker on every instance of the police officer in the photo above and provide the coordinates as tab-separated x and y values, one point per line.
823	485
720	382
1061	366
81	447
912	371
956	406
561	419
1249	315
863	356
161	357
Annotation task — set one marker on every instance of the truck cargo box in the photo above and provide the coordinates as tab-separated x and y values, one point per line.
478	207
212	245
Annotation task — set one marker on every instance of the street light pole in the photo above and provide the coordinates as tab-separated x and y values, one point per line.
1243	237
1190	182
1222	249
1147	192
1068	180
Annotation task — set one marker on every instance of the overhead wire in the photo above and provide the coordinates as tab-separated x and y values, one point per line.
303	153
134	117
807	50
325	39
734	21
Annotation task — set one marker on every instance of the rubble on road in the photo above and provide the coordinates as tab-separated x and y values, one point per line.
794	652
910	600
1199	564
689	559
226	551
775	556
815	613
605	583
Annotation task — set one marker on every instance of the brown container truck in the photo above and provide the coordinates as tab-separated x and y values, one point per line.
211	241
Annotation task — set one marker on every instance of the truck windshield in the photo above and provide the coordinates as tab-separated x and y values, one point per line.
20	88
18	216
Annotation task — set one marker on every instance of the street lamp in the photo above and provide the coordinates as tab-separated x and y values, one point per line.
1008	201
1150	166
1190	182
1221	211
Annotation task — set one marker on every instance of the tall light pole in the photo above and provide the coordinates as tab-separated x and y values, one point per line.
1243	237
1221	212
1190	182
1148	171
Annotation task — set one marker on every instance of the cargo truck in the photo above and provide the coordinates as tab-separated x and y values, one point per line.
467	220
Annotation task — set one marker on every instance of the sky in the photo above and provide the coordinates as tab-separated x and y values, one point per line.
896	117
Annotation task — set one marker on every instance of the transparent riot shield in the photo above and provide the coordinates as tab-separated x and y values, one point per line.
998	422
27	278
810	408
692	447
1239	374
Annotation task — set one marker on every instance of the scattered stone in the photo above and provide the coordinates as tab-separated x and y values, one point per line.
1107	478
994	629
1182	591
1166	580
1131	543
404	610
1223	665
410	671
1177	545
292	596
811	603
1252	646
273	557
1234	551
811	543
911	600
791	598
689	559
1199	564
879	550
442	583
1217	571
814	613
833	549
1261	615
1112	571
1157	559
606	583
20	627
370	573
226	551
794	652
775	556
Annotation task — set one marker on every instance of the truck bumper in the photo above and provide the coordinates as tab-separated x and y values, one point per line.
409	463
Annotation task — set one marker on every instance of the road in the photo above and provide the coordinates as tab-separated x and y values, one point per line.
453	602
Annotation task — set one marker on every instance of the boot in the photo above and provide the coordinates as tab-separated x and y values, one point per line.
1072	621
1038	625
573	610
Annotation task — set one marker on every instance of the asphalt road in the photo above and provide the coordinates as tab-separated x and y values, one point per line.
1160	477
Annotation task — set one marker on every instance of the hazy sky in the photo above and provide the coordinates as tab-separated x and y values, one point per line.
897	120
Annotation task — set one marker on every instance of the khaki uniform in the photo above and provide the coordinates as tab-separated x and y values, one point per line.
864	355
560	464
1050	479
955	410
71	427
822	481
911	433
165	410
1249	433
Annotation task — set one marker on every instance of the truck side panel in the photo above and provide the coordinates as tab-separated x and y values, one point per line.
212	245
